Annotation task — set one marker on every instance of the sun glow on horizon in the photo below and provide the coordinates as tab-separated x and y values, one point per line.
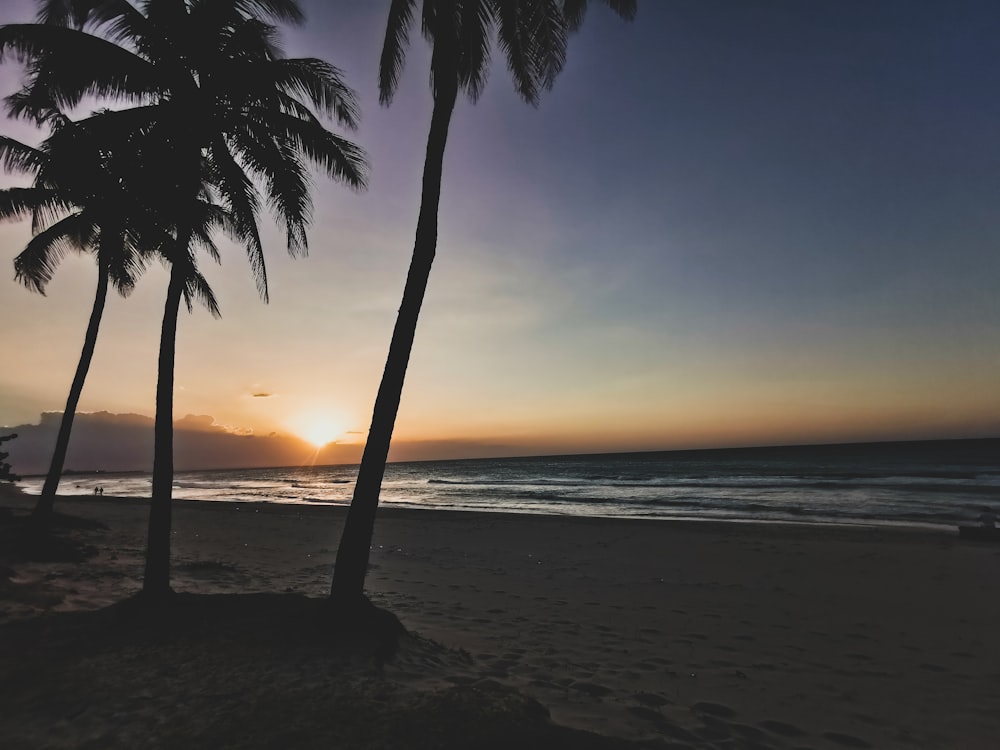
319	428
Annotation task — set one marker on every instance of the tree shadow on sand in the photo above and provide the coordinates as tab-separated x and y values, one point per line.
22	540
251	671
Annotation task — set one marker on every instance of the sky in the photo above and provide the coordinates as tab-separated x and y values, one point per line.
731	222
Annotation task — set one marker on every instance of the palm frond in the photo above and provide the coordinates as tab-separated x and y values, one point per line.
20	157
20	203
122	264
35	265
626	9
120	22
50	206
321	84
65	12
203	240
240	198
35	105
545	29
240	39
510	39
335	155
276	162
207	218
56	75
78	13
397	37
475	31
574	11
532	36
288	11
196	288
128	261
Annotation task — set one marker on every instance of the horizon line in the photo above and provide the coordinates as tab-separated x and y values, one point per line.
770	447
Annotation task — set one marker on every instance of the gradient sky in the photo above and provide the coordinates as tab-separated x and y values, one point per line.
732	222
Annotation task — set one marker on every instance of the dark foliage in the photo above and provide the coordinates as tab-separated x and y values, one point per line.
6	475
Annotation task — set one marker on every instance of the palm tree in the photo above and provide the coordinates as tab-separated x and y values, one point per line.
222	108
75	181
532	37
82	199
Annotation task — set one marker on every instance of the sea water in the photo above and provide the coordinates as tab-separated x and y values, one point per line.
936	483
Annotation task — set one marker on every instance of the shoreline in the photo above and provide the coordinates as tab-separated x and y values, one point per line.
916	527
631	628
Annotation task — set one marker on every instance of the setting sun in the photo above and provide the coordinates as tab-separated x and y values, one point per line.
319	429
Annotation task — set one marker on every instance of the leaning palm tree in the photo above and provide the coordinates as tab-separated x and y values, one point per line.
532	37
223	110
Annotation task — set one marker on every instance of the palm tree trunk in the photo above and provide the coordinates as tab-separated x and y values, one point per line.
156	581
42	513
347	589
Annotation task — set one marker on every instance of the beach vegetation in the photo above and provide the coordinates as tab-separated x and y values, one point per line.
532	36
6	475
224	119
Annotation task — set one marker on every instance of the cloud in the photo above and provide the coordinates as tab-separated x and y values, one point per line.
102	441
198	423
124	442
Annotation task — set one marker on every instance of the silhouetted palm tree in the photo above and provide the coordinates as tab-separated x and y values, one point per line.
532	36
82	200
221	108
88	199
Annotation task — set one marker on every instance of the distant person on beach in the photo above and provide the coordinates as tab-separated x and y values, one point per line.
95	490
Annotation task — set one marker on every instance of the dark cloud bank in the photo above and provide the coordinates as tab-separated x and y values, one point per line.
124	442
103	441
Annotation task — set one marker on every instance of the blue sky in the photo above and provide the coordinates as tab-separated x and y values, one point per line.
730	223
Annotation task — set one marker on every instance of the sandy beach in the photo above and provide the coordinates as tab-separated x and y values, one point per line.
662	633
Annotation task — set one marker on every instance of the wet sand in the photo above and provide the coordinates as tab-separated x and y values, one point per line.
678	634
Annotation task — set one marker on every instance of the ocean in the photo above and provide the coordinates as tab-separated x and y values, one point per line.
927	483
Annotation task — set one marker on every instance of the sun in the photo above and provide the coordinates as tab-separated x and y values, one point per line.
319	429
